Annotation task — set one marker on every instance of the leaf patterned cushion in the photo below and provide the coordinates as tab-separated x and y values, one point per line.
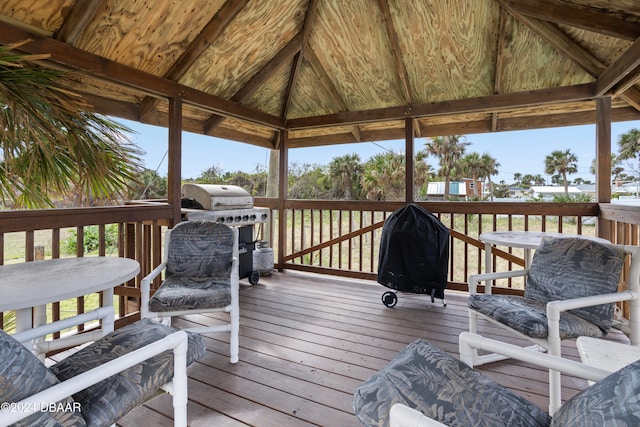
614	401
566	268
22	375
200	249
427	379
104	403
186	293
529	316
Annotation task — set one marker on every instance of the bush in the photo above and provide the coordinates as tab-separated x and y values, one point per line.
91	240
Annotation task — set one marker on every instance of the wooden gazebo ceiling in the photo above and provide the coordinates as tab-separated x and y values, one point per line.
339	71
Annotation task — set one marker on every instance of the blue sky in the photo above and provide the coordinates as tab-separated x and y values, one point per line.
520	151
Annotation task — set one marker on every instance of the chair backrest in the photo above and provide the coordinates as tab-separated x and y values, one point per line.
21	375
565	268
200	249
612	401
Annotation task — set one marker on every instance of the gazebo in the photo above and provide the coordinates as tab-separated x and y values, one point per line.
286	74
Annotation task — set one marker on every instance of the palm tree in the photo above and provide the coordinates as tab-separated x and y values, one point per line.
490	167
345	172
472	166
383	176
51	145
563	162
629	147
449	150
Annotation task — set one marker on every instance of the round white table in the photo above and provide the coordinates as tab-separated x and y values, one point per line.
522	239
36	283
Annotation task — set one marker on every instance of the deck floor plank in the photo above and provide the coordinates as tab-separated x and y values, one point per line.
308	341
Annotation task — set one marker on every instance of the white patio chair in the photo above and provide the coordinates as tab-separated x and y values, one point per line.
101	382
571	287
201	276
423	386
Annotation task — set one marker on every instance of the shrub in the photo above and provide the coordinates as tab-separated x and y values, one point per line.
91	240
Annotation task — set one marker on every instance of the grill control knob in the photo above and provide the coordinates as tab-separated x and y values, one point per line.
229	219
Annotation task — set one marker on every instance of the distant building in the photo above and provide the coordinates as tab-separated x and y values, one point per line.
548	191
463	189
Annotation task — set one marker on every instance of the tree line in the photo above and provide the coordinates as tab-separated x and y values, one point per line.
382	176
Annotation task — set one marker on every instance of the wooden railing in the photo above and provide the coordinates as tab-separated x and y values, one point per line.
330	237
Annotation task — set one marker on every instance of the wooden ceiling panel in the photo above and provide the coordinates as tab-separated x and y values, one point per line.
530	63
147	35
270	96
255	36
453	54
607	49
312	95
47	17
353	47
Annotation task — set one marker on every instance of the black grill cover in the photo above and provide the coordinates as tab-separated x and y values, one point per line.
414	252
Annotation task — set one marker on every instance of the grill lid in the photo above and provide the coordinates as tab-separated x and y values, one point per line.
218	197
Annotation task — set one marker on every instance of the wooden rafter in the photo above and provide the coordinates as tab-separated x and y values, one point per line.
295	70
397	53
581	16
623	73
566	45
209	34
76	22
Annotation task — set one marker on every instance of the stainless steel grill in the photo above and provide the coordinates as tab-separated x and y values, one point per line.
228	204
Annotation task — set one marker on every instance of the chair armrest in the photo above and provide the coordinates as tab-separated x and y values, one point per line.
468	342
555	307
101	313
402	416
178	342
145	288
474	279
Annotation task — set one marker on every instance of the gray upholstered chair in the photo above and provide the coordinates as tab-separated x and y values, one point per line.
101	382
571	287
201	276
424	386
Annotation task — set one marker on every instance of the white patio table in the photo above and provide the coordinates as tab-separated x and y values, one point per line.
604	354
34	284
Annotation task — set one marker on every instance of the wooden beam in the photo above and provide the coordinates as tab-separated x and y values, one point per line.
469	127
283	189
395	49
209	34
76	22
409	144
625	66
603	150
97	67
581	16
174	191
489	103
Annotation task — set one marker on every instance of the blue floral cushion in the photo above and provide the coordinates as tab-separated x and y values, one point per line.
566	268
529	316
427	379
22	375
104	403
187	293
614	401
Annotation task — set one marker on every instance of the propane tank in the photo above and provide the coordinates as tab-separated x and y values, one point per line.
263	257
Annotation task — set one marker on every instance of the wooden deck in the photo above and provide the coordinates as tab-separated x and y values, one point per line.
307	342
